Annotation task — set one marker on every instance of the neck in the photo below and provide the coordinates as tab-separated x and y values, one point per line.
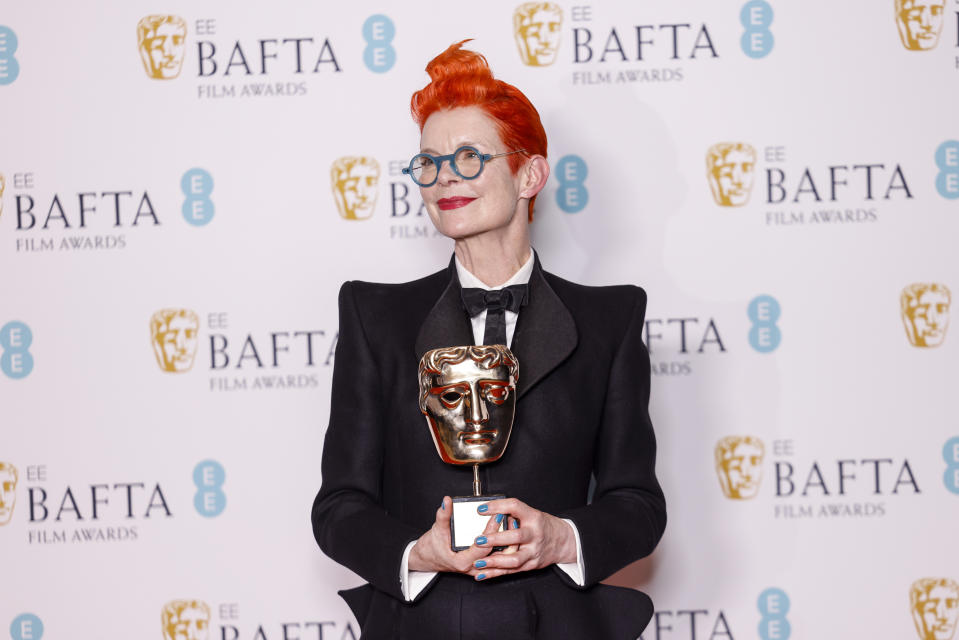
494	257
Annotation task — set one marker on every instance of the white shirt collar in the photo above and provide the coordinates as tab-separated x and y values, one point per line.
467	279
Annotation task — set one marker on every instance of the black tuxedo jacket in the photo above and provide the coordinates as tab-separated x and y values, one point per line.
583	392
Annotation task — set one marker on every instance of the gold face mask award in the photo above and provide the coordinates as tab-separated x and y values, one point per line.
468	396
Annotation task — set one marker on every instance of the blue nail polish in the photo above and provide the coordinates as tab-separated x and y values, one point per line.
443	504
499	518
481	576
483	508
479	564
516	524
481	540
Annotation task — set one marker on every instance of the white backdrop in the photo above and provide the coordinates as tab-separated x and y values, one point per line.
211	191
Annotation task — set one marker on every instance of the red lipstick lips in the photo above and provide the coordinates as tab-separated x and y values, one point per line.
446	204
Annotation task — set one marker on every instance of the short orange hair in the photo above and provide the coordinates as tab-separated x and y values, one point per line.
462	78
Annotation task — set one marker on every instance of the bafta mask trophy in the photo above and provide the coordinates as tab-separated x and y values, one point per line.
468	396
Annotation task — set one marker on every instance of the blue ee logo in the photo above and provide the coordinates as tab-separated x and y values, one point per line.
378	32
26	626
209	500
15	340
764	312
947	159
950	453
773	607
9	67
572	195
757	40
197	185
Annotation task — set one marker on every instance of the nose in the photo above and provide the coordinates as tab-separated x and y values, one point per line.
925	17
446	175
168	47
476	412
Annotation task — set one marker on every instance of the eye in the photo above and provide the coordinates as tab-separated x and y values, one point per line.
496	394
451	398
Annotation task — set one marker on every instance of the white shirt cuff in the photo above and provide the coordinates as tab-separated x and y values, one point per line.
575	570
412	582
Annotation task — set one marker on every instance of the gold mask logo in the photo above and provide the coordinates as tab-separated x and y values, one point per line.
920	23
925	313
174	333
739	462
186	620
935	607
8	491
354	181
537	28
730	168
162	43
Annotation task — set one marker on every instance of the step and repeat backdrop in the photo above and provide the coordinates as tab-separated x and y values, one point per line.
185	186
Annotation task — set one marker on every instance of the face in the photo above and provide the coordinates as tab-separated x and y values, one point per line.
164	45
489	203
175	341
731	176
470	412
920	22
741	470
936	613
8	495
930	318
538	33
355	189
188	624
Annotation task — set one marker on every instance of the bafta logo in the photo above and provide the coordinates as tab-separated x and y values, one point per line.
729	168
739	462
8	491
162	42
536	27
174	334
185	620
920	23
935	607
354	180
925	313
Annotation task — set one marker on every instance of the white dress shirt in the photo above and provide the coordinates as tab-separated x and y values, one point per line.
413	582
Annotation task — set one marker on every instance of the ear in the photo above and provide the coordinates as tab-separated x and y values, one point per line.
535	174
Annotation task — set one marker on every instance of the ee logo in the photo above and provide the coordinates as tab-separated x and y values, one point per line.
26	626
947	159
757	40
209	500
15	340
773	607
572	195
764	312
9	67
197	185
950	453
378	32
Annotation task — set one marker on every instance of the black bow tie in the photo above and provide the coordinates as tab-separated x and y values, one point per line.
495	303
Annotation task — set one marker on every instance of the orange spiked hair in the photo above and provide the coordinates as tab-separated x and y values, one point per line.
462	78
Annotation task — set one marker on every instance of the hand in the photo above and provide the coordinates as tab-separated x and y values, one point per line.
432	550
535	539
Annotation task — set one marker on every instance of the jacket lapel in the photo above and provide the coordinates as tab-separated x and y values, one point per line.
545	331
446	324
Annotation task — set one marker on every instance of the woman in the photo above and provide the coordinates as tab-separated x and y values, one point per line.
383	509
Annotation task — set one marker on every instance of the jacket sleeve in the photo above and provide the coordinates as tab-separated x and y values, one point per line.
627	515
349	522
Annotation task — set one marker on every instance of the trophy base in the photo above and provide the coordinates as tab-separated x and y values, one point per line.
466	524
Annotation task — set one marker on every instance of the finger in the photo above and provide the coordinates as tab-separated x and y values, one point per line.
512	523
513	561
444	511
501	539
509	506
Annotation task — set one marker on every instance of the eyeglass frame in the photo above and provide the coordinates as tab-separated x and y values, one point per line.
439	160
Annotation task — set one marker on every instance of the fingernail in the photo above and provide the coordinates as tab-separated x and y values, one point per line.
499	518
516	524
481	540
443	504
483	508
479	564
481	576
